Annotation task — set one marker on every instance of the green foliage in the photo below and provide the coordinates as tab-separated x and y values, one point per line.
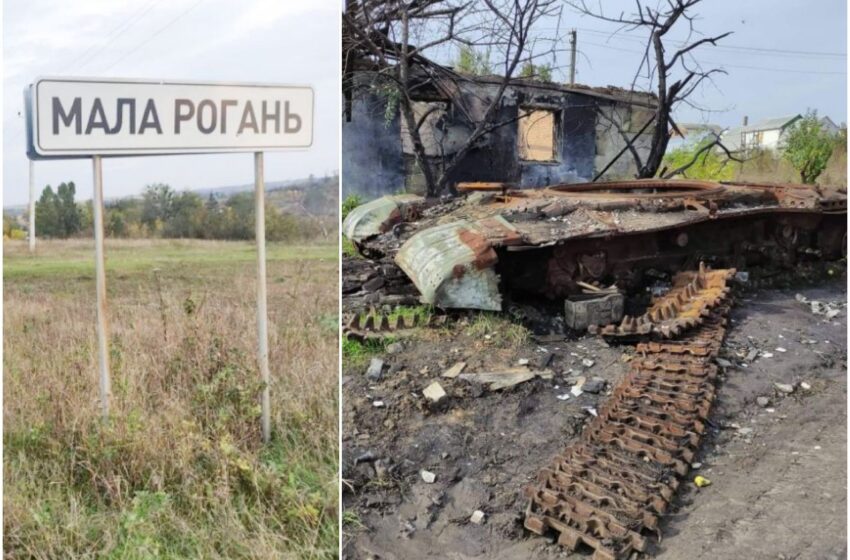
542	72
56	213
808	147
709	165
355	354
351	202
391	94
12	229
164	213
348	248
470	61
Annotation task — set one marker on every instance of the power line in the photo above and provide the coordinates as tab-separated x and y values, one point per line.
115	34
154	35
631	36
786	70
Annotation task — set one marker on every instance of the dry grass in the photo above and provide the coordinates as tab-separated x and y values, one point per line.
179	470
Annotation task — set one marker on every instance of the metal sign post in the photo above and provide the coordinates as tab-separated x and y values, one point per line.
86	117
100	276
262	314
31	223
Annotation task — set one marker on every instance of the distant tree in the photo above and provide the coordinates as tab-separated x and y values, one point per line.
541	72
698	160
470	61
240	222
66	209
186	216
808	147
212	203
156	206
47	222
85	211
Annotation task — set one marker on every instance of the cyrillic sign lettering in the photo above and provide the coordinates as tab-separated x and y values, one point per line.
82	117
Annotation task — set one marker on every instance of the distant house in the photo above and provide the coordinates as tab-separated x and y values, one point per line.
768	134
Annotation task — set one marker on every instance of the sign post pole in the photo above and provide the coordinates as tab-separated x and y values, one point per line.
100	276
71	117
262	315
32	207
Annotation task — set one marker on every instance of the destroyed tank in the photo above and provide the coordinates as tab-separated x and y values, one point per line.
467	252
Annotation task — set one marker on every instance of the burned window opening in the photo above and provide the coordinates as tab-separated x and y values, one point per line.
537	135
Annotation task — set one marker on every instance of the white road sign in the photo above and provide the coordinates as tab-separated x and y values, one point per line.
70	117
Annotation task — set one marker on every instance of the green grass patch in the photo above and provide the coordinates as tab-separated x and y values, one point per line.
501	330
77	260
356	354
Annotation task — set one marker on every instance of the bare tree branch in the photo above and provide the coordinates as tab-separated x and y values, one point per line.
660	73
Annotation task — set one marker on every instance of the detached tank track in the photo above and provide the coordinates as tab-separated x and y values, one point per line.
366	326
691	298
616	482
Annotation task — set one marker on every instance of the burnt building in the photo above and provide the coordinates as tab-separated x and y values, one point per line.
545	133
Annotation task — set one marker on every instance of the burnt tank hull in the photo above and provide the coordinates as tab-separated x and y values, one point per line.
468	252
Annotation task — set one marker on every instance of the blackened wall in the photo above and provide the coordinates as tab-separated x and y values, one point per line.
372	163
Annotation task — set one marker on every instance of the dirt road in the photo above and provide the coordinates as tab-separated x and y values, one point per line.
778	471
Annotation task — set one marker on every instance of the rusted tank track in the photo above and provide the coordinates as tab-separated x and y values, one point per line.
364	326
613	485
685	306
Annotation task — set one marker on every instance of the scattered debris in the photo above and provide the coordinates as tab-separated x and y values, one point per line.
523	361
563	397
762	401
696	465
376	369
455	370
766	354
366	457
784	387
701	481
428	476
587	362
378	404
780	349
805	386
434	392
590	410
477	517
594	386
601	307
506	378
829	309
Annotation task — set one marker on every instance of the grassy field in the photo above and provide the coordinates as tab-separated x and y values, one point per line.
179	470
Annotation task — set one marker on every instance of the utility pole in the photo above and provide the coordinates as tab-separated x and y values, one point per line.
572	57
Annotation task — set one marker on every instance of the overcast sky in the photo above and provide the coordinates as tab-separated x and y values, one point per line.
274	41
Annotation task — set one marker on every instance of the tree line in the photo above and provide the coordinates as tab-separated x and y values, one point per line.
163	212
